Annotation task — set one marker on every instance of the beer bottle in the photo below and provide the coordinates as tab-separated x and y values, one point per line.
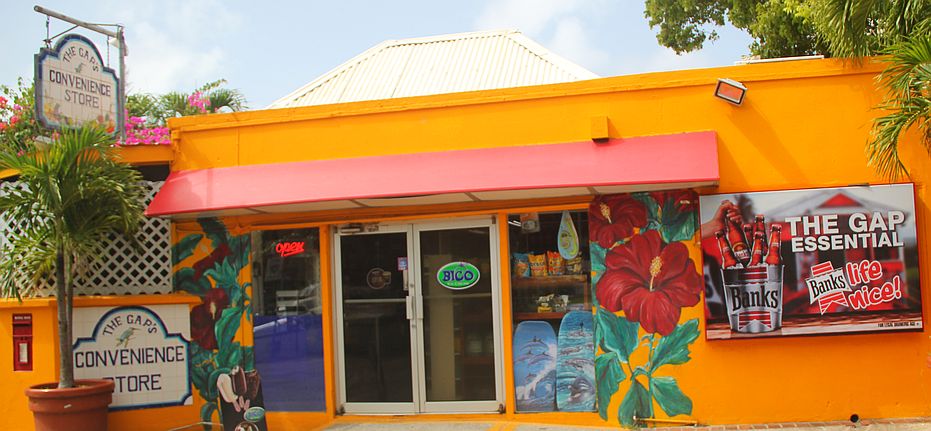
774	257
748	233
757	257
727	256
761	227
735	237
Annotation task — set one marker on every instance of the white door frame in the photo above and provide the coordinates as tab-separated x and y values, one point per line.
415	315
486	406
365	407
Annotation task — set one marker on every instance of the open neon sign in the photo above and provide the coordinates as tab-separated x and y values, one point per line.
285	249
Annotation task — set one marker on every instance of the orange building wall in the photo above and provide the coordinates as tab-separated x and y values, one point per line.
803	124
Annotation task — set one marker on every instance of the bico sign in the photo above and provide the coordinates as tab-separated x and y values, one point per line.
73	87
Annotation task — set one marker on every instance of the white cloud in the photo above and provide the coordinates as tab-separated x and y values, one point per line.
177	45
570	40
530	16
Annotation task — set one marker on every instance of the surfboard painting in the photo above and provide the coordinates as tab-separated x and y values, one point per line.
575	363
535	367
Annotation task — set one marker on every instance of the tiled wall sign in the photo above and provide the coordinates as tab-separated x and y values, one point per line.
143	349
74	86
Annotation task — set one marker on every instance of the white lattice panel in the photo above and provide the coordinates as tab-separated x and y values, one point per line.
120	269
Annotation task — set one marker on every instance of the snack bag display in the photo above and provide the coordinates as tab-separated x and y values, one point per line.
555	263
521	265
537	265
574	265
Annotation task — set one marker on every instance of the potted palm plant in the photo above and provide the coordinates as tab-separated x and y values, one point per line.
75	196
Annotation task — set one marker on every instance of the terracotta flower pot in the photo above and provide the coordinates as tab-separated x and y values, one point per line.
81	408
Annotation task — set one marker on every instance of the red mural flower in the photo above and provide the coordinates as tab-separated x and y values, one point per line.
217	255
205	315
685	200
614	218
650	281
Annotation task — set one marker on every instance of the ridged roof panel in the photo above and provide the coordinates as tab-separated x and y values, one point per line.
436	65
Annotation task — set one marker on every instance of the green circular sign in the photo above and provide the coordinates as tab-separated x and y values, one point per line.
458	275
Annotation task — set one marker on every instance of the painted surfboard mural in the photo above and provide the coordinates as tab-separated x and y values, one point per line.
535	367
575	363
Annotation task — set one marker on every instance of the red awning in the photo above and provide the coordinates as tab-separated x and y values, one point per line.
578	168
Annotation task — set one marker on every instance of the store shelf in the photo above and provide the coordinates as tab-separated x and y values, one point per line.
550	281
552	315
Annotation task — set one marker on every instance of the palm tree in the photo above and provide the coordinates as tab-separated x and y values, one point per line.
900	29
75	197
907	80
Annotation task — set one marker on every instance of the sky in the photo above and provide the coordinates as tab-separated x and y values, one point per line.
267	49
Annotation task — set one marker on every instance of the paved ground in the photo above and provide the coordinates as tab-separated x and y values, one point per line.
917	424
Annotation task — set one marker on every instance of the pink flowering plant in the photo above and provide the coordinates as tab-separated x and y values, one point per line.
18	126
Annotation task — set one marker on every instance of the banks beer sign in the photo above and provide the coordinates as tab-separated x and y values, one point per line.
73	87
142	349
817	261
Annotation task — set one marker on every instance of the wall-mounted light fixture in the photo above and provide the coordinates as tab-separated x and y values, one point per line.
730	90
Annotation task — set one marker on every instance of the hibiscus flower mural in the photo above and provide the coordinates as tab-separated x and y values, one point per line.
642	269
613	219
650	281
215	278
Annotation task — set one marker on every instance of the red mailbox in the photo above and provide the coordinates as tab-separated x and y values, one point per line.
22	342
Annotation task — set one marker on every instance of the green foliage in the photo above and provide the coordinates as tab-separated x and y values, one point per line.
19	128
901	29
75	197
855	28
669	397
637	404
184	248
616	334
907	80
209	98
779	28
673	349
608	374
619	339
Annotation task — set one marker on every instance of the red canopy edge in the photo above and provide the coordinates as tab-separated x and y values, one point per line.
664	159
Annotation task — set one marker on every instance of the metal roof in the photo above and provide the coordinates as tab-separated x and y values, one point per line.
449	63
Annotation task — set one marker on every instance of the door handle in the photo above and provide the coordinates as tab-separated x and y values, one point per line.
409	304
418	303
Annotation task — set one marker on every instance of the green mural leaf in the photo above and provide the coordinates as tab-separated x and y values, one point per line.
230	355
608	376
183	281
227	326
225	276
597	256
215	231
641	371
673	349
678	225
616	334
185	248
212	392
240	247
202	365
248	358
636	403
654	215
206	412
669	397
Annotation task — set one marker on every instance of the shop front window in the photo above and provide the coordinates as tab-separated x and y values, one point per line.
287	323
552	305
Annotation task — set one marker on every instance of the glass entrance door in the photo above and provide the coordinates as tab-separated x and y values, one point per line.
418	312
